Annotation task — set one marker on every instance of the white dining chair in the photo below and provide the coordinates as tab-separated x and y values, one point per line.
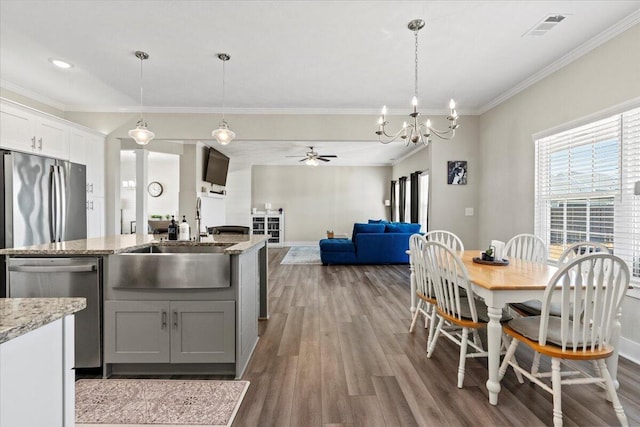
527	247
449	277
591	289
533	307
426	299
424	290
581	248
448	239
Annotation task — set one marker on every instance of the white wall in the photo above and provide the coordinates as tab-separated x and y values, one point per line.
606	77
238	198
448	202
316	199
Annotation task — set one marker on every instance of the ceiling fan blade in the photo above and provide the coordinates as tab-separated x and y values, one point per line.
324	160
328	155
302	160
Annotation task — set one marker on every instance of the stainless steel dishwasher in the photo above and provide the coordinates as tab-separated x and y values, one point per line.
65	277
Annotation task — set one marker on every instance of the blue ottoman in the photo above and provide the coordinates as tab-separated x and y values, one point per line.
337	251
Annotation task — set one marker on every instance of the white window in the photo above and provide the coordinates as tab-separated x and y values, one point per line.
423	208
407	202
396	205
585	180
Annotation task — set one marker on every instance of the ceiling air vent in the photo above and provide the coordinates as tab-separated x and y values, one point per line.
542	27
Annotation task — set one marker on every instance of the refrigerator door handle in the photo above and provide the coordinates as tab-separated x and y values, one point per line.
52	204
56	175
63	203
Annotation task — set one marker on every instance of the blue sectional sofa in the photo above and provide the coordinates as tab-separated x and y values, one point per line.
378	242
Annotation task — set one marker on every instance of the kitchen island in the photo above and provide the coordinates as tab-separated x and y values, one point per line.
172	306
36	361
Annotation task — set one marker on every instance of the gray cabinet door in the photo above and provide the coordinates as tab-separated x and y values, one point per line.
203	331
248	306
137	332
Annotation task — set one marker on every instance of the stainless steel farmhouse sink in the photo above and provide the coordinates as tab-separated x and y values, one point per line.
171	267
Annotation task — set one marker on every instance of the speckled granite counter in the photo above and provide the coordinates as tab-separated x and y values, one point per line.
21	315
237	244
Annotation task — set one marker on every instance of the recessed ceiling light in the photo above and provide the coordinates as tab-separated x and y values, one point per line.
60	63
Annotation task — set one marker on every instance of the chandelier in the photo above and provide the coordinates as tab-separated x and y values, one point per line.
141	134
223	134
414	131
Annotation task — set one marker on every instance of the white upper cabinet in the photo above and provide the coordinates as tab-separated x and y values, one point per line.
23	129
52	138
88	149
17	129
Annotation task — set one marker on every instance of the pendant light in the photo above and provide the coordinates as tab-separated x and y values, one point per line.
223	134
141	134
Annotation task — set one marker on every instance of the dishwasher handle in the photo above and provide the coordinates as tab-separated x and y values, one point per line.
53	268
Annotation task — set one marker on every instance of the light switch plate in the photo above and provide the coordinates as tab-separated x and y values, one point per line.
468	211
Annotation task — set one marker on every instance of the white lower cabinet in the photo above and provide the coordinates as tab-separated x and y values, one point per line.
37	387
169	331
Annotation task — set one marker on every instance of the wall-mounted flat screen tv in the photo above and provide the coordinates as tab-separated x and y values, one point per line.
217	167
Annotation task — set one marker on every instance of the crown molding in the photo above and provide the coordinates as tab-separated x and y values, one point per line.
251	111
617	29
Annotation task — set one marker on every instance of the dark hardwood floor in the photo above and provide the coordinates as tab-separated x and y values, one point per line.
336	351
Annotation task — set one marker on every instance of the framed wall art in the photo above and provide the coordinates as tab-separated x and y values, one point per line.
457	172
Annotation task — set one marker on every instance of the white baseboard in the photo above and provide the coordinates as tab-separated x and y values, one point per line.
311	243
630	350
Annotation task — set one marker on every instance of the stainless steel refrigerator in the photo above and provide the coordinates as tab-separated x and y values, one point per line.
43	200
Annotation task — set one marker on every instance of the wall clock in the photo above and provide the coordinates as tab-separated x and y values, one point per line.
155	189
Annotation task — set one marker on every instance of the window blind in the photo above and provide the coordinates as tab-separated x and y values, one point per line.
584	187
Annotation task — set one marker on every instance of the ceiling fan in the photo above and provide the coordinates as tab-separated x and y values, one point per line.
311	157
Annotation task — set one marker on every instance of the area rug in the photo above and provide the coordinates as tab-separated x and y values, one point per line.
302	255
131	402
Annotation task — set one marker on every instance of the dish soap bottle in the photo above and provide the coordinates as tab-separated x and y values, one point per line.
172	229
184	233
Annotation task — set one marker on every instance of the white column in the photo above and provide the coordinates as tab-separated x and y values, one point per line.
142	164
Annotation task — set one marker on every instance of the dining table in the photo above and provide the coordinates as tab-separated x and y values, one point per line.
500	285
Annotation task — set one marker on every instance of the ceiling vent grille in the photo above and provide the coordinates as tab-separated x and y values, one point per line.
545	25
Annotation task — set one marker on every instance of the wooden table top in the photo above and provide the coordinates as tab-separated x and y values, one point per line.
517	275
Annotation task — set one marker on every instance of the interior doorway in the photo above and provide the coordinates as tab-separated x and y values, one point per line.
162	197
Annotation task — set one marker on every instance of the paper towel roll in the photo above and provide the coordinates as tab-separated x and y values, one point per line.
498	249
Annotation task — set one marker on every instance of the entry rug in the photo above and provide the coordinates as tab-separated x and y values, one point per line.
131	402
302	255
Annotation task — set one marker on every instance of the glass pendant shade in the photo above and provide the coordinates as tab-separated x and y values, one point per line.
223	134
311	162
141	134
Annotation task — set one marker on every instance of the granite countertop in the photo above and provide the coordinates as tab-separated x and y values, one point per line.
21	315
109	245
